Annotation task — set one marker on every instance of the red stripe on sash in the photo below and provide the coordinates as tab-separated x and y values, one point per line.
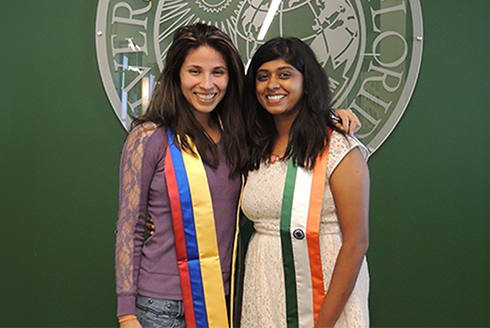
179	235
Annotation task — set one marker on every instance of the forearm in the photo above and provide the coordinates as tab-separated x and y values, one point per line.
127	263
350	188
134	184
344	277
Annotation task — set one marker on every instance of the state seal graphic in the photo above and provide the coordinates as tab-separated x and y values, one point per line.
370	49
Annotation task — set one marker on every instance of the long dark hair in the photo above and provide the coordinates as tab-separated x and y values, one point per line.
309	134
169	107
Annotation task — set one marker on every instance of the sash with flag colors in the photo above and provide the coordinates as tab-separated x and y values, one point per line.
299	228
195	238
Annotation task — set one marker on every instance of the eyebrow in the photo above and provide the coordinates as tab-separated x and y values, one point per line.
197	66
278	69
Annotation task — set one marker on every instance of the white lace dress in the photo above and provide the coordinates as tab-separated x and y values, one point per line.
264	294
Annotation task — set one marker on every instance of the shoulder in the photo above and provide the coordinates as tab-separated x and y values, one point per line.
345	143
145	137
142	132
145	132
340	146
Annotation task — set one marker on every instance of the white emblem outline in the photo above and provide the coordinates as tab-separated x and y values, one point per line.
409	83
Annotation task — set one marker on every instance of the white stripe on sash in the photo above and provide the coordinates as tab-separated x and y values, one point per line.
299	216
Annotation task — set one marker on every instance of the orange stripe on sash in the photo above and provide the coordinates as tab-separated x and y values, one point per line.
300	218
312	232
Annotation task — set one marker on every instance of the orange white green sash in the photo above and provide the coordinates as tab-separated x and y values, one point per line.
195	238
300	225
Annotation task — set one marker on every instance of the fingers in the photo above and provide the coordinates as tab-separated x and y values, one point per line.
350	122
339	125
344	120
150	227
355	124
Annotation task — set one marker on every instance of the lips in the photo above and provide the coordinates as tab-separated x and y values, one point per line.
274	98
205	96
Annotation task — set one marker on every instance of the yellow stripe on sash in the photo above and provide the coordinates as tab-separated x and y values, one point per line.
212	280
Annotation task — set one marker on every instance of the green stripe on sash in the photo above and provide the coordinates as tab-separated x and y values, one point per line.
287	248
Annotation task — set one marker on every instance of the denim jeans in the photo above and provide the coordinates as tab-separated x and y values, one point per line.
154	312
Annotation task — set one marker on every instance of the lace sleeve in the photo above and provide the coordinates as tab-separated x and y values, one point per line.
340	146
133	191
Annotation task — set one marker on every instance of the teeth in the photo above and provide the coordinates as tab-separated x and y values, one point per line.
205	96
276	97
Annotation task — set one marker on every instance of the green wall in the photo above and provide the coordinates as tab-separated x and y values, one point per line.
60	147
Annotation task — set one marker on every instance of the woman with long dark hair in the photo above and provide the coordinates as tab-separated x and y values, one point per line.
308	196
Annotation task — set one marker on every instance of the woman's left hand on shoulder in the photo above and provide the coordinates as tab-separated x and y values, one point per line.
349	123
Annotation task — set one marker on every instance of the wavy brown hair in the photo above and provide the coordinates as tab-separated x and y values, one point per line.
169	107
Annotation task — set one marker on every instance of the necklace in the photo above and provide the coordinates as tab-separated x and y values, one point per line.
274	158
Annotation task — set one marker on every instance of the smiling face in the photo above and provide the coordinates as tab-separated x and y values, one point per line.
203	80
279	88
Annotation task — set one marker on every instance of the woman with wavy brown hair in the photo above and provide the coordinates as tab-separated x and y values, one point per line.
184	155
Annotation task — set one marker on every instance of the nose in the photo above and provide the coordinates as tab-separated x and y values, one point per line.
207	81
273	83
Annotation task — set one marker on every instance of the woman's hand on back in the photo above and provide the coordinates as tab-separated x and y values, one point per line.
150	227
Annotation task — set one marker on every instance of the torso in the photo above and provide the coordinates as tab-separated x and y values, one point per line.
263	304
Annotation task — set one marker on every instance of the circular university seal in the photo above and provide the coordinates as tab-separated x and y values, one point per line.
371	50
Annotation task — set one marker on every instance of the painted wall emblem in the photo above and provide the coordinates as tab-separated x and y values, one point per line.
370	49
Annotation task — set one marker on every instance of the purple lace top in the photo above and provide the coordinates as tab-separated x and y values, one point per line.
150	268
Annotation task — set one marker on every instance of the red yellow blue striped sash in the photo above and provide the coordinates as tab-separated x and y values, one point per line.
300	225
195	238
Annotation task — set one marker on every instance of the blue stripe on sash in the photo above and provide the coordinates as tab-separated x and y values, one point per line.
190	234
